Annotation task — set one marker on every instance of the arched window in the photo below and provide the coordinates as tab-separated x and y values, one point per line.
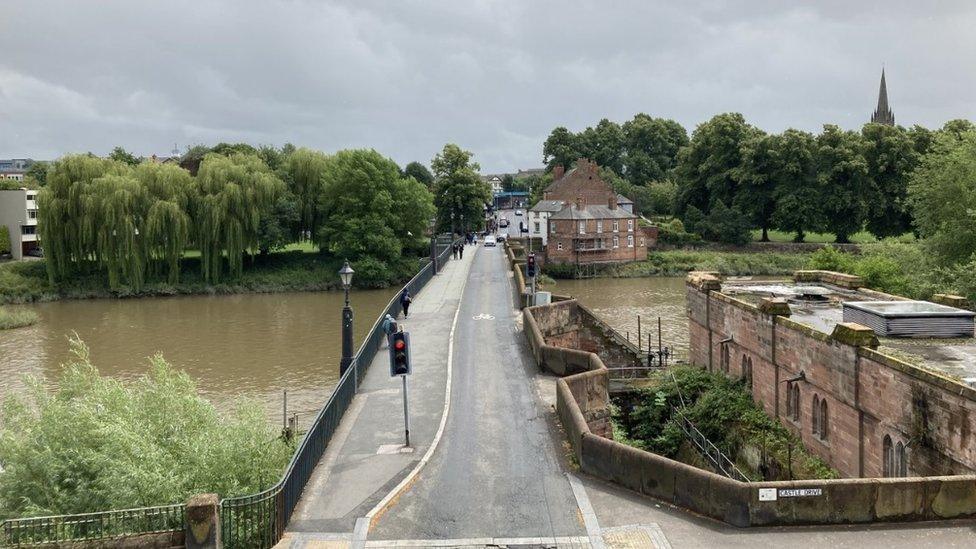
823	419
793	402
726	358
901	459
815	415
887	458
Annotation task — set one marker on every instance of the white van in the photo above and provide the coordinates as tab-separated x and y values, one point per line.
490	240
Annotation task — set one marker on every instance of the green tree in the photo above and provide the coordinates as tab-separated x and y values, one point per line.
795	179
166	225
757	177
306	172
508	182
603	144
535	185
4	240
119	154
942	194
459	193
232	193
561	148
96	443
891	157
369	211
419	172
726	225
842	176
651	148
707	168
37	172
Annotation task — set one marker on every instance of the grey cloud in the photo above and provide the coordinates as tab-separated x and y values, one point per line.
495	76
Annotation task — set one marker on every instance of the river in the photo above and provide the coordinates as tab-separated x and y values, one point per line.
619	301
254	345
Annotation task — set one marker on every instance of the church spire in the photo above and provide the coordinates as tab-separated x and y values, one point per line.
883	114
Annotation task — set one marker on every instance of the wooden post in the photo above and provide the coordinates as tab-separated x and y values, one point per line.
639	335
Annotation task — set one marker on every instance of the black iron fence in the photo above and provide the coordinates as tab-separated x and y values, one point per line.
256	520
105	525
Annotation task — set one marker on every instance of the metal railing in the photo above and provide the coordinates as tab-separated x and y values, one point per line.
256	520
709	451
104	525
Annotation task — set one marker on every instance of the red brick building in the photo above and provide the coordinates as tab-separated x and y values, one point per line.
592	227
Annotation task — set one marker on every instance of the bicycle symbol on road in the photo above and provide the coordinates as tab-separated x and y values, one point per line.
483	316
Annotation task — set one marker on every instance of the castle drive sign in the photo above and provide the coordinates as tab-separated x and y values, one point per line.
771	494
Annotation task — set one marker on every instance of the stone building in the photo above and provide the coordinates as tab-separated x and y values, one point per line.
585	234
883	114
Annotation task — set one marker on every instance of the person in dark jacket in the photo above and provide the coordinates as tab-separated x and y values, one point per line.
405	301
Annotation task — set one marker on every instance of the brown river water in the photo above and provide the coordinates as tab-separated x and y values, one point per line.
255	345
258	345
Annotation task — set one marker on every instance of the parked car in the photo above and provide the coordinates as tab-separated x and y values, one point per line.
35	252
503	223
490	241
518	212
500	238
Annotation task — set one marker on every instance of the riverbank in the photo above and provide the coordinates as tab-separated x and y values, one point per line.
27	281
10	319
679	262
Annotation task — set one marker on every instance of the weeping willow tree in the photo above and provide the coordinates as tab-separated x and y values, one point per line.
120	205
306	169
66	209
231	193
166	227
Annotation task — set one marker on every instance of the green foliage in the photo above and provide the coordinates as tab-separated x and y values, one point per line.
458	191
306	178
369	210
4	240
724	411
94	443
561	148
419	172
673	233
16	318
726	225
37	174
119	154
844	181
943	198
794	178
890	155
829	258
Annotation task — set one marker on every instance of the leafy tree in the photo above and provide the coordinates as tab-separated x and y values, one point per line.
942	194
4	240
166	223
458	193
604	144
369	211
694	220
891	157
419	172
561	148
536	184
651	148
306	171
275	229
726	225
232	193
957	128
119	154
230	149
707	168
922	138
508	182
757	177
94	443
37	172
191	159
795	180
842	176
275	158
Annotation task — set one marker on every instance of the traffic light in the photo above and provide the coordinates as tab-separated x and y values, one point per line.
399	354
530	265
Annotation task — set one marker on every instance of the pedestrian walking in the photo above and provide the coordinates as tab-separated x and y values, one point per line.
389	326
405	301
460	251
454	250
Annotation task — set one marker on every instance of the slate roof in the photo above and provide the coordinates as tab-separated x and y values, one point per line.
548	206
592	212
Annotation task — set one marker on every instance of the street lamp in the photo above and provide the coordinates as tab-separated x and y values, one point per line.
345	274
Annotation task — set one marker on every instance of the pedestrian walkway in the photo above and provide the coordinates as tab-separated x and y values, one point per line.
366	457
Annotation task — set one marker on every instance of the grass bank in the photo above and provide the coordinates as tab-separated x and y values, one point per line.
679	262
297	270
11	318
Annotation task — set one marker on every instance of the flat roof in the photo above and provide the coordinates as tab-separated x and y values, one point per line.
821	307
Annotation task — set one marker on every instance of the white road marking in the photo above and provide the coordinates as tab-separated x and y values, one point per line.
483	316
365	522
487	542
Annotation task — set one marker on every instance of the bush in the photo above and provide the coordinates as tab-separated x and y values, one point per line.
829	258
94	443
10	319
673	233
4	240
727	225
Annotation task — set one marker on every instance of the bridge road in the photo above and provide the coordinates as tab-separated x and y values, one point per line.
498	469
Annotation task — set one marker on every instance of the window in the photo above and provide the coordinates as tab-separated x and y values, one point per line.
616	241
28	229
630	225
815	415
599	243
901	457
887	458
536	227
823	419
616	226
31	214
726	358
552	227
559	246
793	402
747	370
582	227
599	225
630	241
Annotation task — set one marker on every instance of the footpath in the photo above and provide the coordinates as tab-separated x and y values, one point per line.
366	458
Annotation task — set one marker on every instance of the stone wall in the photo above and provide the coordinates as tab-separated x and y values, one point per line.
869	395
568	324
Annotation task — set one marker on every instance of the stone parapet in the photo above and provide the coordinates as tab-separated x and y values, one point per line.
851	282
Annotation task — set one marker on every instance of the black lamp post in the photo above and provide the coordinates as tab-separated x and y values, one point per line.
433	243
345	274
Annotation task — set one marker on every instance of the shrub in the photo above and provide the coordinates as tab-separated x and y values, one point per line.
674	234
830	258
10	319
94	443
4	240
727	225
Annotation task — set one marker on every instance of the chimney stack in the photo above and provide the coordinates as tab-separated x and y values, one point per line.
557	172
612	202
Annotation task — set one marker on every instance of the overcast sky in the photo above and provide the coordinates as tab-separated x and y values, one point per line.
495	76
